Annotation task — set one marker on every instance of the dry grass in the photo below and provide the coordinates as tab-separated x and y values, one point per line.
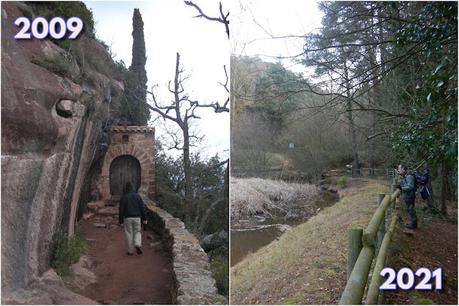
307	265
250	196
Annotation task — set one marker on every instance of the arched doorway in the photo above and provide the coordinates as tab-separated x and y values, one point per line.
123	169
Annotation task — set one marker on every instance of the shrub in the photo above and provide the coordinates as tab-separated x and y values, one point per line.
342	181
62	65
220	271
66	251
66	9
57	65
423	301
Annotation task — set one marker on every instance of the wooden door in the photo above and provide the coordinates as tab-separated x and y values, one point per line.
123	169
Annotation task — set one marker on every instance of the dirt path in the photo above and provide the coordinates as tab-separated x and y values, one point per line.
434	245
122	279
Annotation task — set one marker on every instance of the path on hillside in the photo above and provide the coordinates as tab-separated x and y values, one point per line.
434	245
123	279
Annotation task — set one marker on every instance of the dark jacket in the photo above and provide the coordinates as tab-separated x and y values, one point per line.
131	206
408	186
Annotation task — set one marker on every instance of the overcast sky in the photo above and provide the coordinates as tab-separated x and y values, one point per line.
169	27
254	22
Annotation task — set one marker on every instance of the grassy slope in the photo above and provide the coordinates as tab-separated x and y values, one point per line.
307	265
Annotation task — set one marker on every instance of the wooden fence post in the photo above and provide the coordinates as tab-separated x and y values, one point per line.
382	227
355	286
374	295
354	246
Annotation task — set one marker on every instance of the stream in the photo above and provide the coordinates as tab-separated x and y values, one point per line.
250	238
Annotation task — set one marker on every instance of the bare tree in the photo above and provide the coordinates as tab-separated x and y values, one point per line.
181	111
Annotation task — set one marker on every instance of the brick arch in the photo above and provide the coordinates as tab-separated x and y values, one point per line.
139	146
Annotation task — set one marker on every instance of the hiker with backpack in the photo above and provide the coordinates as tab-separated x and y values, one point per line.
408	188
422	181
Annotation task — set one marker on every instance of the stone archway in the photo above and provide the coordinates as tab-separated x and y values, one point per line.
137	142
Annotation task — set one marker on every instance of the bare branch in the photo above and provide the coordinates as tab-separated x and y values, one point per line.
222	19
375	135
225	85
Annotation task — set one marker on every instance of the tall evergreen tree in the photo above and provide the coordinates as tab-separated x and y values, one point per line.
137	111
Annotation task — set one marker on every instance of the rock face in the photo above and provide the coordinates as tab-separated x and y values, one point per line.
215	241
48	289
54	130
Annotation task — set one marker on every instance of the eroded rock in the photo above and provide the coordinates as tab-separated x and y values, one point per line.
82	275
215	241
64	108
108	211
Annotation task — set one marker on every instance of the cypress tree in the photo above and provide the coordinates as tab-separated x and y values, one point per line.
136	82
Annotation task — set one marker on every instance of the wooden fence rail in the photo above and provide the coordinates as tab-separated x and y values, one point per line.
375	242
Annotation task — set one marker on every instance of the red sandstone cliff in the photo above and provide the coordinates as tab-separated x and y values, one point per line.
54	134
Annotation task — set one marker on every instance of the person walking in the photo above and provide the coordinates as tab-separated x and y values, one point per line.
408	188
131	216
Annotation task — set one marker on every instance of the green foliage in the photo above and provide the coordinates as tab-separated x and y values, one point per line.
424	301
66	9
208	186
138	45
397	61
134	109
25	9
61	65
66	251
342	180
220	271
278	93
429	132
65	44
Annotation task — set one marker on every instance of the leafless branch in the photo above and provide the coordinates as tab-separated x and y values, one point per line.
225	85
375	135
222	19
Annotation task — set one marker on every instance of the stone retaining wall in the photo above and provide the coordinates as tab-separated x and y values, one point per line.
193	278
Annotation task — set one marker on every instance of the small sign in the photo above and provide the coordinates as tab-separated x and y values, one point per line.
291	145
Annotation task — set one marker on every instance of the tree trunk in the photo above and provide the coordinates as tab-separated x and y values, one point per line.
355	154
187	171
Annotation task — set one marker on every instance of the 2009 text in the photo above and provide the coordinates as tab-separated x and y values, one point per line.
40	28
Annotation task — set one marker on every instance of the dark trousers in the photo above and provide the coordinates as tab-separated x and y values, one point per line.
409	201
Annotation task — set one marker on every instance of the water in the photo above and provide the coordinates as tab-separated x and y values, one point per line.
249	240
246	241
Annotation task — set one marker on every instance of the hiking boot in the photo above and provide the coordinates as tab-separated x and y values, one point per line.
411	225
139	250
129	254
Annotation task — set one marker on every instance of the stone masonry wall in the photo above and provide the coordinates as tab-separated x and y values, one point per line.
141	145
194	282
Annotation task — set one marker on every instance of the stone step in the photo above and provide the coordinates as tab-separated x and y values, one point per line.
108	211
95	206
88	215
